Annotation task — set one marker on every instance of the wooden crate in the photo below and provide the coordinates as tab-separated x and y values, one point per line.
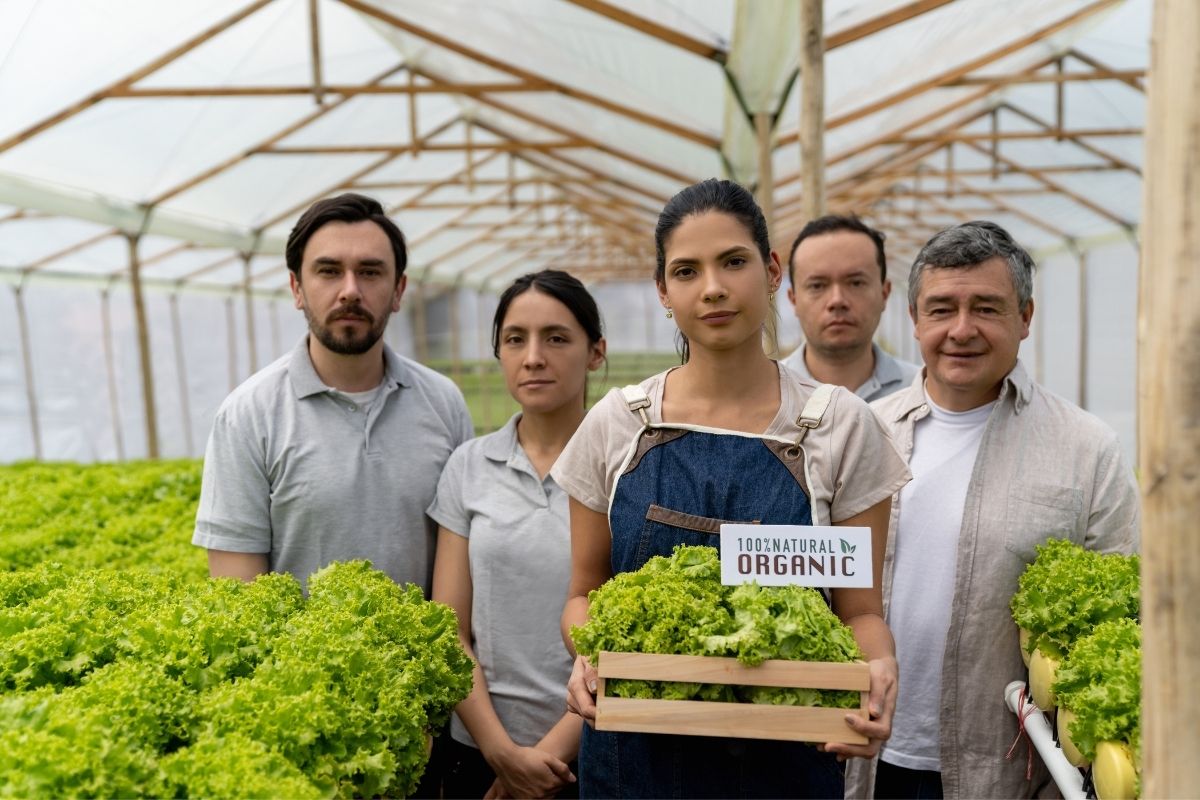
740	720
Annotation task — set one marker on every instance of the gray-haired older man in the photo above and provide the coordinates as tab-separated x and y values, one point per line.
999	465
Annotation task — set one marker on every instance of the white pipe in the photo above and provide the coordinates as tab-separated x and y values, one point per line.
1068	778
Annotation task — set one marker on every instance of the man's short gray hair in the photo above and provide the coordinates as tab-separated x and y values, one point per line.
968	245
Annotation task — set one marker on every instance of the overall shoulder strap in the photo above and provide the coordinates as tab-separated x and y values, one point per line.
637	400
814	410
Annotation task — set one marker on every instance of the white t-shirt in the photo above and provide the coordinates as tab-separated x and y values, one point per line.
945	444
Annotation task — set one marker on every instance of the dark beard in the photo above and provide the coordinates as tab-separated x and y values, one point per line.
352	346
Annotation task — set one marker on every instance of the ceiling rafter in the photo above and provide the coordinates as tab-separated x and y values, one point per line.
985	136
956	72
428	147
1087	146
1096	64
279	136
661	32
344	90
133	77
450	44
1060	188
1047	77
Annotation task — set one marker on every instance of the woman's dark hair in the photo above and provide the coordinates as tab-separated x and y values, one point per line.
564	288
348	207
714	194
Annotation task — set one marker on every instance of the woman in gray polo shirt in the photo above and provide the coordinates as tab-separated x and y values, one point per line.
504	554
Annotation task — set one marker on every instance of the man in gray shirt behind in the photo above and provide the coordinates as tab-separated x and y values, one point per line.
333	452
839	287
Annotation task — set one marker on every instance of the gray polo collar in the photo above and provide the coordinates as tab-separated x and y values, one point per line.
306	382
503	445
886	369
1017	382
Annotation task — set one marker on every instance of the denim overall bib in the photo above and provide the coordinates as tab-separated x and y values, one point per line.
677	485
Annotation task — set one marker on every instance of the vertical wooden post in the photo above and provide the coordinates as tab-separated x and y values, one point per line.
485	360
314	30
764	125
1169	406
995	144
420	336
114	406
35	428
247	282
1083	328
1059	103
455	334
812	108
470	176
276	339
1039	327
950	169
185	403
414	138
143	338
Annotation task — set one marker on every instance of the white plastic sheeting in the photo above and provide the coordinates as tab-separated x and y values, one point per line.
92	146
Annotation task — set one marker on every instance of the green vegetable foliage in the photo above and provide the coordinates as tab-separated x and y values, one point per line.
677	605
1067	591
1100	681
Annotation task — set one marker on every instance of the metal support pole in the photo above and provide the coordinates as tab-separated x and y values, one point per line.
1083	329
143	339
35	428
114	405
185	405
230	339
247	282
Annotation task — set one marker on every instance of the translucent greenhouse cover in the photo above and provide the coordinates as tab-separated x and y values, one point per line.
548	133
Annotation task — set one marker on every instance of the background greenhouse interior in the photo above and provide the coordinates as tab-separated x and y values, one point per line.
513	135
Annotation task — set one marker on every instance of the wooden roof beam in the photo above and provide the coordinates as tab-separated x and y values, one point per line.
1098	65
661	32
133	77
445	225
1096	151
885	20
397	150
344	90
1061	189
83	244
455	46
632	158
1047	77
967	68
1031	219
241	156
986	136
349	181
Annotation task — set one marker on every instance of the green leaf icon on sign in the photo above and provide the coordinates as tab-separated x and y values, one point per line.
847	547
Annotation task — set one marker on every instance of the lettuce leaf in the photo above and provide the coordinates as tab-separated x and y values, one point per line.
677	605
1100	681
1067	591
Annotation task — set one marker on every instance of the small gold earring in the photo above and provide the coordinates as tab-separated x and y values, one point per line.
670	313
770	297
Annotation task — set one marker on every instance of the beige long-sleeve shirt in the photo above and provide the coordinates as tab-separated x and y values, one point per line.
1045	469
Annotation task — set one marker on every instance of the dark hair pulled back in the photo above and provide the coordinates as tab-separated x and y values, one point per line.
714	194
563	287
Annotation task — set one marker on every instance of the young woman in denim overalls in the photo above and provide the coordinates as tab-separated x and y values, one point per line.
728	437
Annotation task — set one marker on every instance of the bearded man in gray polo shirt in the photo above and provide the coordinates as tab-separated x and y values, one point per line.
333	452
999	466
839	287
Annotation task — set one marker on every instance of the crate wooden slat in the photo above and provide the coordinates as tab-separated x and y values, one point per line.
738	720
